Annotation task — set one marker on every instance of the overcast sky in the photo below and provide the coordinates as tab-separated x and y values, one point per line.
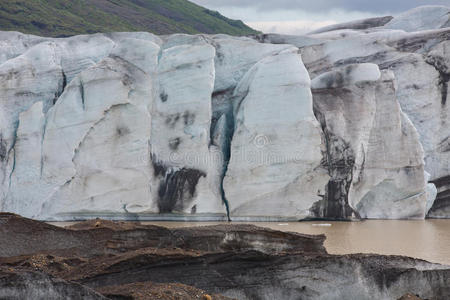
301	16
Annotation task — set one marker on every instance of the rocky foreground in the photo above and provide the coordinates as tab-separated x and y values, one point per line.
101	259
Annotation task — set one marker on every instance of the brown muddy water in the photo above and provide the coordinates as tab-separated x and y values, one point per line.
424	239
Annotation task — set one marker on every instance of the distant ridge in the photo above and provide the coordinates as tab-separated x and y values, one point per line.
59	18
425	17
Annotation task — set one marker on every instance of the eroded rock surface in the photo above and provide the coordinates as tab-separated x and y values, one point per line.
237	261
151	290
21	284
99	237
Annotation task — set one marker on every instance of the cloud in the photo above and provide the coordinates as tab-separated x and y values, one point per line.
248	14
321	6
289	27
302	16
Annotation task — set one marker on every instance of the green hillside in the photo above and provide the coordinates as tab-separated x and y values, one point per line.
59	18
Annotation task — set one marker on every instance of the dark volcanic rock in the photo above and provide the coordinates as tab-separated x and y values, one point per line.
253	275
23	236
18	284
133	261
246	237
151	290
409	297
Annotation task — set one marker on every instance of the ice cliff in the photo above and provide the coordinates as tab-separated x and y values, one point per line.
350	121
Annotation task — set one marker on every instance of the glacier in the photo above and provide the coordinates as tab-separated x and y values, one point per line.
348	122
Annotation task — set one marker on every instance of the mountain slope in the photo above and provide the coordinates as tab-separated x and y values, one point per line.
58	18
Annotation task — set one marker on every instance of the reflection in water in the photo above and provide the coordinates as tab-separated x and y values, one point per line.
425	239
